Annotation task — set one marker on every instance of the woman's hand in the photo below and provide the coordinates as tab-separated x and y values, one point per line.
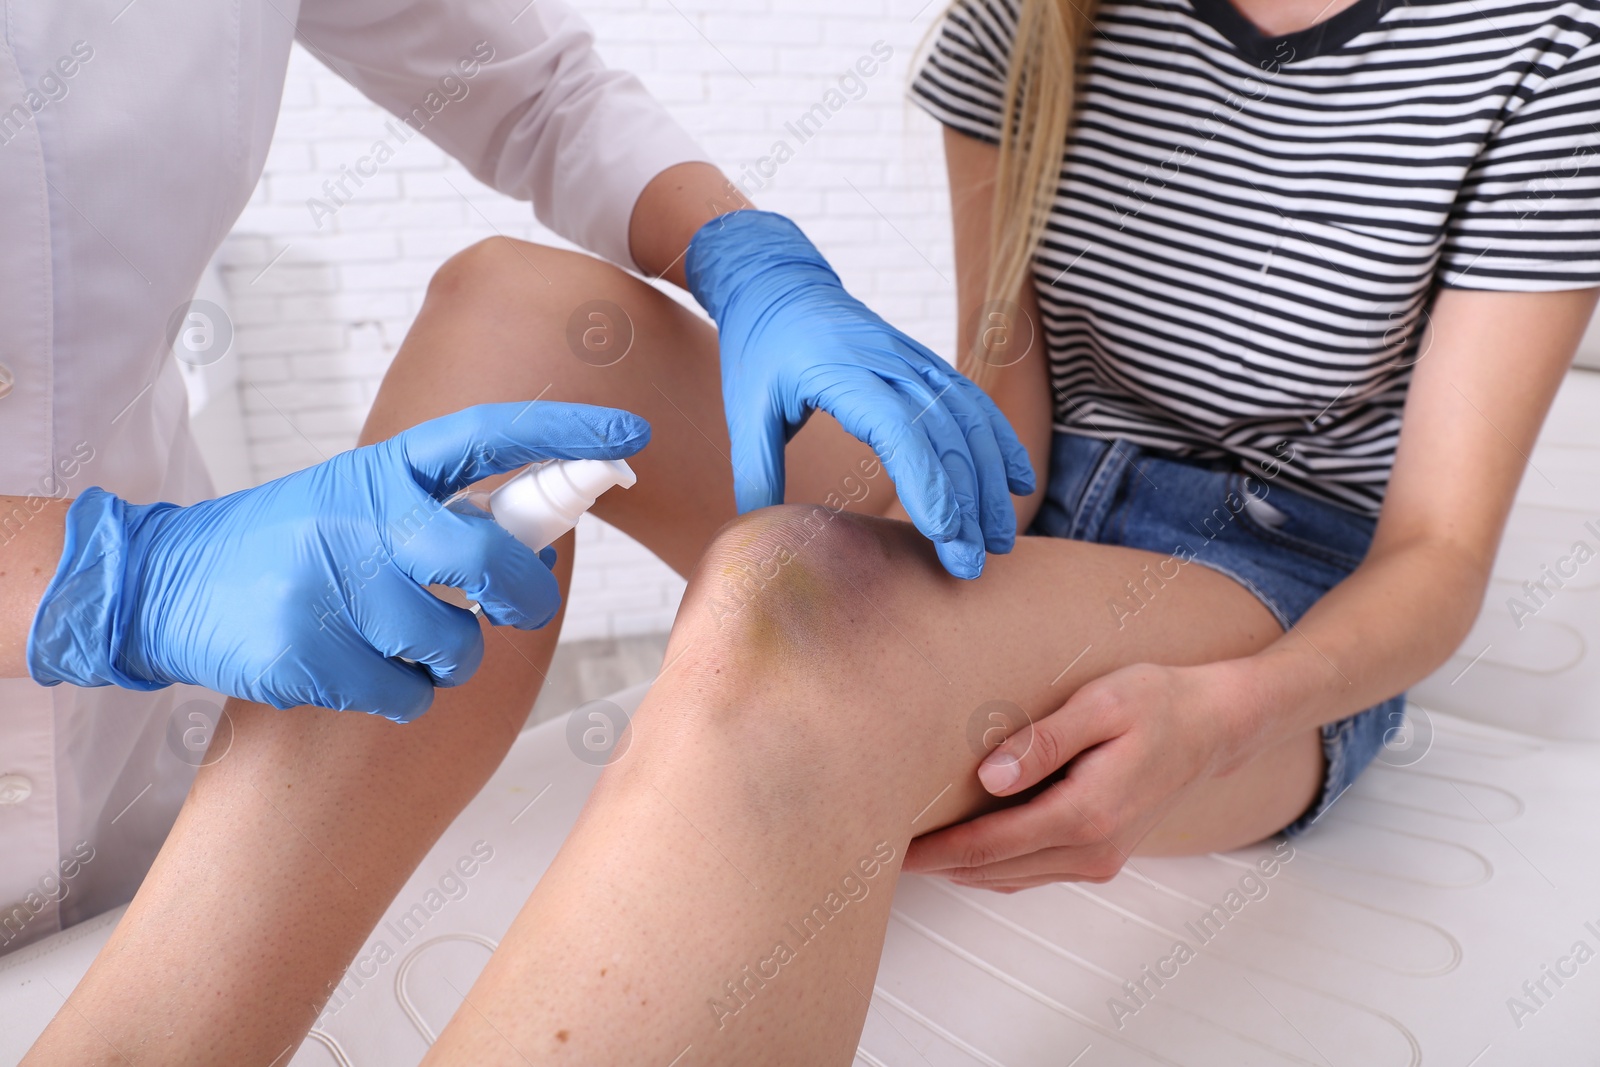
1133	743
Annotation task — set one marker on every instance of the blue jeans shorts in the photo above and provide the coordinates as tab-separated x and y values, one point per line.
1285	547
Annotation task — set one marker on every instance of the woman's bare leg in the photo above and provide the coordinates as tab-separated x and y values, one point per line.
812	721
291	845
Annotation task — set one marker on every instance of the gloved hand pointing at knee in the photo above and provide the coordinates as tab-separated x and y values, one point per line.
794	341
311	588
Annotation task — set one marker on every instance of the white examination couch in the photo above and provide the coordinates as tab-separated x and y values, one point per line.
1463	865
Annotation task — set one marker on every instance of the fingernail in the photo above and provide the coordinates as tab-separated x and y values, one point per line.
999	772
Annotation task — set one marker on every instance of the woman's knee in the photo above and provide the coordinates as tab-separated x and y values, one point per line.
501	275
580	322
777	666
790	591
497	324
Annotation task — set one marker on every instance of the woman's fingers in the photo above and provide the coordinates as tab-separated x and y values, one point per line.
1128	762
1041	748
1037	868
1078	821
1059	835
1048	820
1023	760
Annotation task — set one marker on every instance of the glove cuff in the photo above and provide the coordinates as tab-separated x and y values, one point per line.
731	250
79	631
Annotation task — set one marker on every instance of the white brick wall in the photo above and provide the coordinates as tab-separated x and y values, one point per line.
317	328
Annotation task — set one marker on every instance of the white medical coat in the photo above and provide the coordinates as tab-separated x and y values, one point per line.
131	136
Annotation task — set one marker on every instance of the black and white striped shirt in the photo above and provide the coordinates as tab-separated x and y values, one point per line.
1248	231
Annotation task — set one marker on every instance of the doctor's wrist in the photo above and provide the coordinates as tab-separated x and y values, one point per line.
670	208
30	548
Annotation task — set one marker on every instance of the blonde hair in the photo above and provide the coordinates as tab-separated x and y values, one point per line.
1040	86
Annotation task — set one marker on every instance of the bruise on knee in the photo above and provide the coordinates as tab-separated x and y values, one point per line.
787	582
776	625
779	650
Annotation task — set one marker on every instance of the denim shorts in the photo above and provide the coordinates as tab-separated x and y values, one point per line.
1285	547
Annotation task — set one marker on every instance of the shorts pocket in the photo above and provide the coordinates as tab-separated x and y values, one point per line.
1308	527
1075	468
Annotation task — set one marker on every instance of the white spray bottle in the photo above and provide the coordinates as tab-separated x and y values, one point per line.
540	504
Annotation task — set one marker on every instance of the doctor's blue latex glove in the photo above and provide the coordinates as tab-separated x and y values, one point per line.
309	589
793	341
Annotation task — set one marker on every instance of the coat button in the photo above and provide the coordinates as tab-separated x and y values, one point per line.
7	380
15	788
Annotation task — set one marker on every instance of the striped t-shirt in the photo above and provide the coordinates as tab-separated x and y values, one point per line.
1248	231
